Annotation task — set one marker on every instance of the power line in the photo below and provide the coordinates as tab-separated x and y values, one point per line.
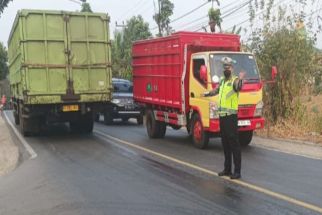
203	17
186	14
228	13
131	9
260	13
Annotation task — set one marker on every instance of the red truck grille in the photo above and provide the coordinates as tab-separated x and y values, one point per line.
246	111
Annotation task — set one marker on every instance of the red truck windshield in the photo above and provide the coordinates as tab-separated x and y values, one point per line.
241	63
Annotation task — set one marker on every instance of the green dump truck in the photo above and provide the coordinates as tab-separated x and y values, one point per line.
60	68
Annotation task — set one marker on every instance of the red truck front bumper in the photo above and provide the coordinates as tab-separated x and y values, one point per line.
255	123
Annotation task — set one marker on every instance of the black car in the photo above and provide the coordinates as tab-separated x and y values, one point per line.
123	106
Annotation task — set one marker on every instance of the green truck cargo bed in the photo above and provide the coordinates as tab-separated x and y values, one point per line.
60	57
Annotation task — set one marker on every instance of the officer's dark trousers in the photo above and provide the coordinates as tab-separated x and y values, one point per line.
230	142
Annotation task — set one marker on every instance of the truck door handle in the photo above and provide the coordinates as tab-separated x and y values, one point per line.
192	95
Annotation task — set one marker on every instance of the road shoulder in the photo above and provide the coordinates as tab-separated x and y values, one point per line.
304	149
9	152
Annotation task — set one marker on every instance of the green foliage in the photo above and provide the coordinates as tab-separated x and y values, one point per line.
3	5
3	62
280	43
315	109
162	18
214	19
86	7
317	75
136	29
234	30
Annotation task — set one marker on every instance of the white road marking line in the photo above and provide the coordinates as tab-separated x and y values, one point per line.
210	172
29	149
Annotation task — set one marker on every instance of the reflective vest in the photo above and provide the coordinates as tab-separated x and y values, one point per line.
228	98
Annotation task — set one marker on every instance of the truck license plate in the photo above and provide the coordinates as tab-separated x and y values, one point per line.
129	107
244	123
70	108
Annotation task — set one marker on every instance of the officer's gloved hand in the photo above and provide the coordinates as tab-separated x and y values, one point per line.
205	94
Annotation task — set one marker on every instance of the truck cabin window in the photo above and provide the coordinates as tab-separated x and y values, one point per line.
241	63
197	63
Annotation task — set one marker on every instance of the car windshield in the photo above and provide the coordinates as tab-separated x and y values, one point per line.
241	63
123	87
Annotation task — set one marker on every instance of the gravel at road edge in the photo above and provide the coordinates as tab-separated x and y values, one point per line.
9	152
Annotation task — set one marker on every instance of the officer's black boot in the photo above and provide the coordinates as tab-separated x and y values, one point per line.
225	173
236	175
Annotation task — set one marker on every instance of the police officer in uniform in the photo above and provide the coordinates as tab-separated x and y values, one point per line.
228	91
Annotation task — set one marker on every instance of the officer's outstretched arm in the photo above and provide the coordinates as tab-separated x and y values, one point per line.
238	84
212	93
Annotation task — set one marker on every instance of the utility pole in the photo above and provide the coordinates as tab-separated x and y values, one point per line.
159	18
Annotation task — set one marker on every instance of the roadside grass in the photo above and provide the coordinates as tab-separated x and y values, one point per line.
306	126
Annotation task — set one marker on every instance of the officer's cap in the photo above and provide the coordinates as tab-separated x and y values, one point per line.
227	61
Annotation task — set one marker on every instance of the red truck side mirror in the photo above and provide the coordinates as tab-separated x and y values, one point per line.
203	74
274	72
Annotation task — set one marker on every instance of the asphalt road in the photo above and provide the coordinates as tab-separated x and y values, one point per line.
97	174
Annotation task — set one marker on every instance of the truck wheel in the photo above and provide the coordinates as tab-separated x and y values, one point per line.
108	119
162	129
83	125
139	120
87	126
245	137
199	136
97	117
152	126
16	117
23	125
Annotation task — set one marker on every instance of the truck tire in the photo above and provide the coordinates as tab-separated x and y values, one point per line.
87	126
245	137
139	120
162	129
23	123
200	137
16	117
152	126
108	119
97	117
83	125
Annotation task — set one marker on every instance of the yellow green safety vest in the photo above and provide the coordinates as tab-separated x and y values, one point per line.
228	98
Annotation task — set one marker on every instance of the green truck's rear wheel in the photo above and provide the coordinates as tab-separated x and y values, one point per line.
16	117
23	123
84	124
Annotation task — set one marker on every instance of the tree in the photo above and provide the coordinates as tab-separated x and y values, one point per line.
3	4
135	29
86	7
162	18
3	62
279	42
214	19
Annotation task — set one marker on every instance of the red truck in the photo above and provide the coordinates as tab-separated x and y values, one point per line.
169	77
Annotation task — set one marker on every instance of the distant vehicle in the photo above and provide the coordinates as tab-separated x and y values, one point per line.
60	69
123	106
170	74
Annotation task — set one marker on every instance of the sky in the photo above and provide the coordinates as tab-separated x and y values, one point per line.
121	10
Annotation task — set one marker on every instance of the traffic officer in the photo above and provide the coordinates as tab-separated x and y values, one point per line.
228	91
